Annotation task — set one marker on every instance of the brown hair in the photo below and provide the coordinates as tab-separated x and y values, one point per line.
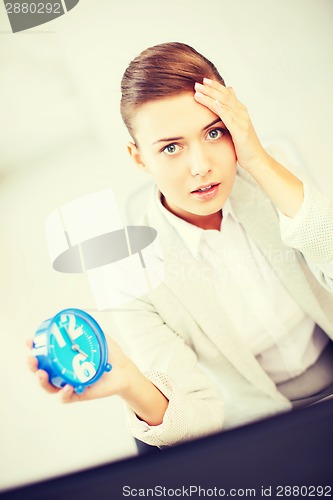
162	71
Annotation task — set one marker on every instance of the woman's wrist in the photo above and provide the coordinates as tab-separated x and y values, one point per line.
131	373
260	160
282	186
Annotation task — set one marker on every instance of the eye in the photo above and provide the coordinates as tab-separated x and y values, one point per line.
171	149
216	133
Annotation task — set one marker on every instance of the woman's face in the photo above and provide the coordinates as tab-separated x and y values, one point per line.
186	149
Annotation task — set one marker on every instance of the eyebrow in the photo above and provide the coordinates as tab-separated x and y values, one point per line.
168	139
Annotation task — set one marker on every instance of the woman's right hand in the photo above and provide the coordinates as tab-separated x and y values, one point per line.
117	381
124	380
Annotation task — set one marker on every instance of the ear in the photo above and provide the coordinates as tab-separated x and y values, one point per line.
136	156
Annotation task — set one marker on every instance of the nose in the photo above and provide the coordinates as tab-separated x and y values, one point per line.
199	162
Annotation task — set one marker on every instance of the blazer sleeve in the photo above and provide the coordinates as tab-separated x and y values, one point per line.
195	406
311	232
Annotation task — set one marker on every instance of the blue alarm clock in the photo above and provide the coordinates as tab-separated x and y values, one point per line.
72	348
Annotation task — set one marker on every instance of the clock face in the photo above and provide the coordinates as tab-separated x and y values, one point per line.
74	347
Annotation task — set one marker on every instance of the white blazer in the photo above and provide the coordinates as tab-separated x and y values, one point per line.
181	337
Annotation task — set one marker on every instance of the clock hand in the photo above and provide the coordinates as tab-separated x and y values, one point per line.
75	346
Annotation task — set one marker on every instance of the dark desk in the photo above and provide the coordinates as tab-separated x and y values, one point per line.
292	449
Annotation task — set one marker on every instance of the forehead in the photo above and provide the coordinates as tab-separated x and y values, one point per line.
175	116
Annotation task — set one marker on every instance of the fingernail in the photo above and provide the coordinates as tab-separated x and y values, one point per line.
199	94
67	388
198	85
208	81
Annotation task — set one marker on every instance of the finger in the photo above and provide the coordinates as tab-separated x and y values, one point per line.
210	102
235	115
228	114
232	91
43	380
221	94
29	343
215	106
66	394
219	87
32	363
214	84
207	101
224	95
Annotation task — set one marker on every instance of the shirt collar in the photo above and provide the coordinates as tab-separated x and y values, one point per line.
190	235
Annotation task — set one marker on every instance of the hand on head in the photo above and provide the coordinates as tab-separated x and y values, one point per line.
222	101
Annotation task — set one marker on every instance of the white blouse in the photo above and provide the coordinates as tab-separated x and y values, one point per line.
278	332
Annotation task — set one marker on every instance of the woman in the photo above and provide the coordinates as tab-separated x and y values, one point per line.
241	326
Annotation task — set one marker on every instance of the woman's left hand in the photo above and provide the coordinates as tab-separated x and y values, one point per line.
223	102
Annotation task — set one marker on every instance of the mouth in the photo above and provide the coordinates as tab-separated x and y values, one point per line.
204	189
207	191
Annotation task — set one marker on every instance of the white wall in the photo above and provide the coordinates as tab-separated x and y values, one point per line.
62	137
